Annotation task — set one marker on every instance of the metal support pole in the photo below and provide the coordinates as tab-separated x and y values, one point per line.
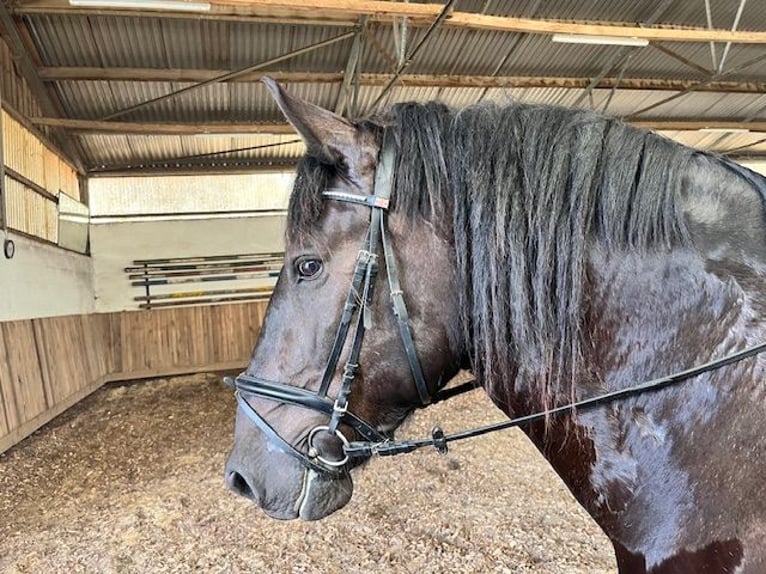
234	74
733	28
351	71
709	16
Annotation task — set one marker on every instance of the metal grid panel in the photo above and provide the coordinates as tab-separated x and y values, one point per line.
120	41
202	44
235	101
106	150
91	99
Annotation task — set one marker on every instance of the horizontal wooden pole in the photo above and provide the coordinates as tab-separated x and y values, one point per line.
346	12
64	74
605	29
236	365
39	190
426	13
101	127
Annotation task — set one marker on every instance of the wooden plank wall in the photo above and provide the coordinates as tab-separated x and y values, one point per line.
49	364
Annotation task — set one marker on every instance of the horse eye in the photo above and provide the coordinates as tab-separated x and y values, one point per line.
309	268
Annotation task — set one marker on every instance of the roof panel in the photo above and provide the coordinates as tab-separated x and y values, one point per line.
123	152
197	43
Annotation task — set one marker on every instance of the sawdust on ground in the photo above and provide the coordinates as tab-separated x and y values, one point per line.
131	480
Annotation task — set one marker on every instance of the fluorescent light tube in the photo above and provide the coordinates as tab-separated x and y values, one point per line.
213	135
724	130
600	40
174	5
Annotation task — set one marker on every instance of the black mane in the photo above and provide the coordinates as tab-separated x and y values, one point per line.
529	188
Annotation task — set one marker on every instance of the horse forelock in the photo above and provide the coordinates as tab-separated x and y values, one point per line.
527	189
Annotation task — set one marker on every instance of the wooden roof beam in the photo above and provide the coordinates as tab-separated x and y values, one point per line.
86	127
136	128
20	52
64	74
346	12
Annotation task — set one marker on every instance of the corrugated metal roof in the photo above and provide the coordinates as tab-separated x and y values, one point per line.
109	42
121	41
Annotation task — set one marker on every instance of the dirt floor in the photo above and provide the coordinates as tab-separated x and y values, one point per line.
130	480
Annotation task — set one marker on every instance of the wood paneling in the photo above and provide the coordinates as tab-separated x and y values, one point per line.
26	380
202	335
46	365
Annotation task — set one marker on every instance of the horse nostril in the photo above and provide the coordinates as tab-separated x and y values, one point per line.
238	484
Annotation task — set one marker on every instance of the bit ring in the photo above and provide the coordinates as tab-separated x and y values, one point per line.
314	453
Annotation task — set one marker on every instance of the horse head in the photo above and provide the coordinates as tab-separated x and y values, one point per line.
335	288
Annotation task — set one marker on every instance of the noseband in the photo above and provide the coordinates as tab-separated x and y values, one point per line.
358	302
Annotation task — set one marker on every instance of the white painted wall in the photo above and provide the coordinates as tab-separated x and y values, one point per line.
115	244
43	280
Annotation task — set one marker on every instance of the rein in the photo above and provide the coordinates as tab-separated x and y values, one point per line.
439	440
358	301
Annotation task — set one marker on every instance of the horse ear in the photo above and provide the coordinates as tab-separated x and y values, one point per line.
327	136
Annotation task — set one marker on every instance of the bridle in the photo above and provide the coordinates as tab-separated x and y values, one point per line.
358	303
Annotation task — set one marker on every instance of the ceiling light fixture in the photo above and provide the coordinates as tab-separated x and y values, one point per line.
214	135
724	130
600	40
172	5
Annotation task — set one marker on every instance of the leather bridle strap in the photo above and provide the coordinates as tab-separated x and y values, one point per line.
340	407
273	437
360	273
402	318
297	396
384	177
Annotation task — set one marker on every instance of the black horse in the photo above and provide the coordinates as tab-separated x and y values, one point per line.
559	255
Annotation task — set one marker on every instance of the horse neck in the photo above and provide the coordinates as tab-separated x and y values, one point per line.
649	315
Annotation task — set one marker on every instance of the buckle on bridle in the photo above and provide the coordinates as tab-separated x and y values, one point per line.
340	409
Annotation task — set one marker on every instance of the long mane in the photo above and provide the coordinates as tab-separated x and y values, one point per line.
528	188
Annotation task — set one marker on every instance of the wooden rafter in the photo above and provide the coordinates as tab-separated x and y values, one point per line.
162	128
694	125
146	128
346	12
64	74
21	52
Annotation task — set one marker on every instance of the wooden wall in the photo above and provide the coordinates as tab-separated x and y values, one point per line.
47	365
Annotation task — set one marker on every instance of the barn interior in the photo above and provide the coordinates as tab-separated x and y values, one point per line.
146	171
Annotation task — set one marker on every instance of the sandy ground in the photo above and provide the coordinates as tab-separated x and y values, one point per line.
130	480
